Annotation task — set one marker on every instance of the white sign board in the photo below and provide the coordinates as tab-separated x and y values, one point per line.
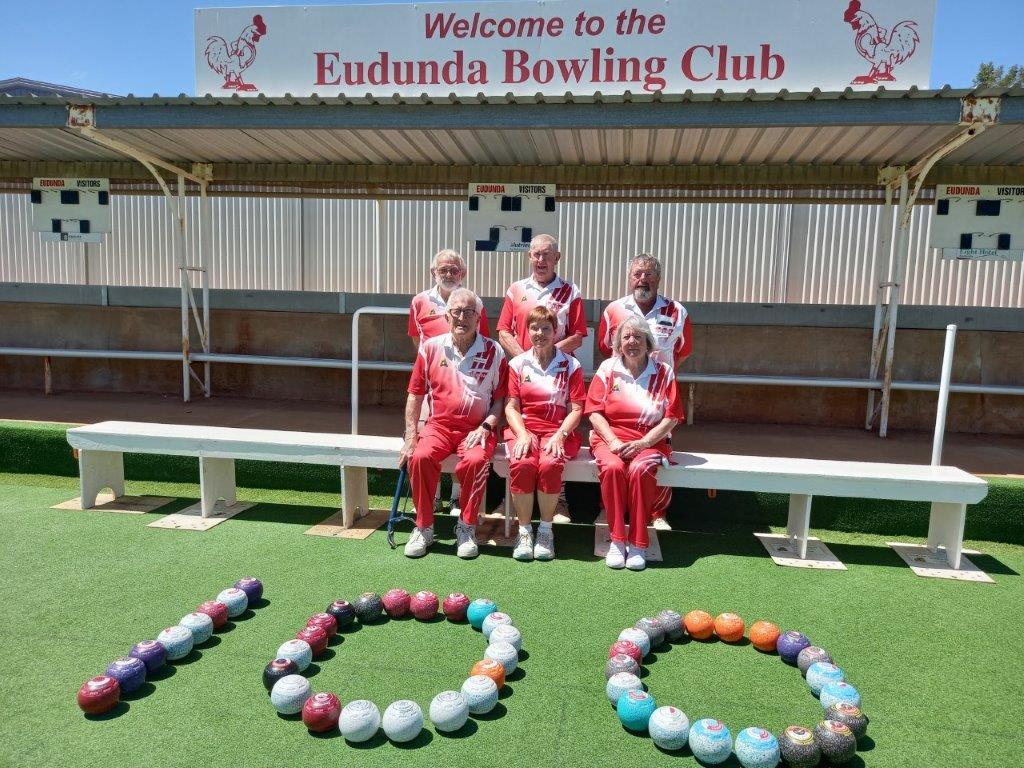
505	217
71	210
978	222
583	46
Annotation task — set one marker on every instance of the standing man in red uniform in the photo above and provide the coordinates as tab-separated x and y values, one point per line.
428	318
670	328
462	374
543	288
427	313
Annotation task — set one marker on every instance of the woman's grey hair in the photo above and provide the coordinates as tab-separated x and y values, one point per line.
463	293
448	254
646	258
633	323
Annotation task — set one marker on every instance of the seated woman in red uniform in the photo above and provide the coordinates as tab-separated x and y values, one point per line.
633	405
544	407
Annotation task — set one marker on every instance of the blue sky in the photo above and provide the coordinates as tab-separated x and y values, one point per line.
147	47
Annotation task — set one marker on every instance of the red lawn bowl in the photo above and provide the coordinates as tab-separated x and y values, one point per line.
424	605
455	606
396	603
218	612
325	621
316	637
321	711
99	695
628	648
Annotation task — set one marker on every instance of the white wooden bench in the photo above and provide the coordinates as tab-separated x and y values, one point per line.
949	490
101	448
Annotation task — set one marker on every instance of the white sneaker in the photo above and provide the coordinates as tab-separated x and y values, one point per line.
661	524
637	559
465	535
544	549
616	557
418	542
524	549
560	518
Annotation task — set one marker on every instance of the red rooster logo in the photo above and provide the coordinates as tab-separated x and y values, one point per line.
231	60
882	48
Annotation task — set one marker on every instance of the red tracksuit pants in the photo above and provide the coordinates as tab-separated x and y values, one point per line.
539	470
436	443
629	488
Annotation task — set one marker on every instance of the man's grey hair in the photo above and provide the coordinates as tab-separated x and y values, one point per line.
548	239
632	323
646	258
463	293
447	254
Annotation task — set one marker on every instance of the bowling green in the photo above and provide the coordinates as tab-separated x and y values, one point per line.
937	662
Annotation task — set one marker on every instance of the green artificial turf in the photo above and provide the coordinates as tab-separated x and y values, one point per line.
937	662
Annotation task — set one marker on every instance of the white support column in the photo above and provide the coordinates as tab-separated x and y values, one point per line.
798	525
216	481
946	529
98	470
905	211
943	406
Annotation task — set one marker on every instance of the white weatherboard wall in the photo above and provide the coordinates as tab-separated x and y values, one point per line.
756	252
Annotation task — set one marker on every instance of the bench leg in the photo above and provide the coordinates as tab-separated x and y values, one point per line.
216	481
355	496
98	470
508	507
946	528
799	523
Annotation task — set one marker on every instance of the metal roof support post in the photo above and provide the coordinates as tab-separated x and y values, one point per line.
975	115
905	210
82	121
882	268
205	240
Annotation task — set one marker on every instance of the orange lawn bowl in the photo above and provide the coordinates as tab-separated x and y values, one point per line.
729	627
493	669
764	635
699	624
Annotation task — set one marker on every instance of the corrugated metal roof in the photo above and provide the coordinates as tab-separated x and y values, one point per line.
668	139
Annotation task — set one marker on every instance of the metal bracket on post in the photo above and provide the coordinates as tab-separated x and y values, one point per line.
976	114
82	122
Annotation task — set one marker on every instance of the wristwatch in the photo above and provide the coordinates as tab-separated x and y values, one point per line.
486	426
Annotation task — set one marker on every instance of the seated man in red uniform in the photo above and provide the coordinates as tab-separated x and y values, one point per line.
633	405
462	374
670	327
428	318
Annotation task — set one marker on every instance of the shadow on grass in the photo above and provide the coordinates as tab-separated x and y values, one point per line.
500	710
423	738
121	709
374	741
165	672
141	692
464	732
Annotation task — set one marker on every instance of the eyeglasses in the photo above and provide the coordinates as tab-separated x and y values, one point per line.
462	312
447	270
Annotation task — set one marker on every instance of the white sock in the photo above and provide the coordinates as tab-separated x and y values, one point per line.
544	527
